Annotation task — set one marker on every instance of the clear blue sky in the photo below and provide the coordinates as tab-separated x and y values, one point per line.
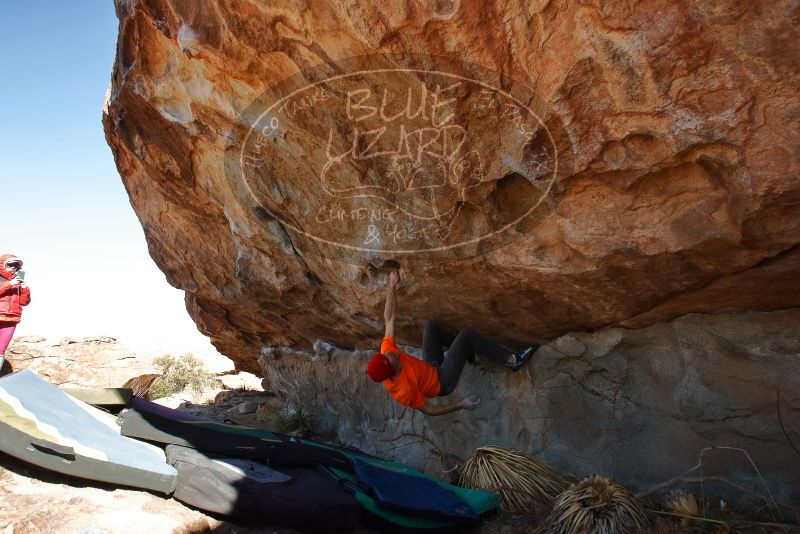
64	209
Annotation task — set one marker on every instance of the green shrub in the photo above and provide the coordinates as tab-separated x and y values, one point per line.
178	374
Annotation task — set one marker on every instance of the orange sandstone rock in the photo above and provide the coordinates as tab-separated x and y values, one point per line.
588	164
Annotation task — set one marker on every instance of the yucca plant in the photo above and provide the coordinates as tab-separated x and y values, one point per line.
596	505
293	417
525	484
296	418
682	503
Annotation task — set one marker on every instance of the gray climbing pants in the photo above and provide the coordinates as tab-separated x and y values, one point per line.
461	348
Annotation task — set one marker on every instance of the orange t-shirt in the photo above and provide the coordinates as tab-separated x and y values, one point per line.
415	382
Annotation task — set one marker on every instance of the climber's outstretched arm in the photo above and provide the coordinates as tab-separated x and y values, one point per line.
469	403
391	303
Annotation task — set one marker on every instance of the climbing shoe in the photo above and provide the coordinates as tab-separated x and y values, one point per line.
522	356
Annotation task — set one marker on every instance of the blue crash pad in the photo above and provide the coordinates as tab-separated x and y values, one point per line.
413	494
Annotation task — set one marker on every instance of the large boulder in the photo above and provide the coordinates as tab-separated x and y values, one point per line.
628	170
571	165
97	361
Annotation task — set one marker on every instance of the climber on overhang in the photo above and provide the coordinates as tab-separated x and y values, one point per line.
412	381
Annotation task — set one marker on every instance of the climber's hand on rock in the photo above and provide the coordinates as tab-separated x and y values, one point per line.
471	402
394	278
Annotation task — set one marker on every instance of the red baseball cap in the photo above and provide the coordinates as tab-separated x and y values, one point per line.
380	368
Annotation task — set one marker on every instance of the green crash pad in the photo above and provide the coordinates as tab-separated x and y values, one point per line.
480	501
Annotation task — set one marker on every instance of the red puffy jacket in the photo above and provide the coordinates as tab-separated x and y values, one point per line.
12	297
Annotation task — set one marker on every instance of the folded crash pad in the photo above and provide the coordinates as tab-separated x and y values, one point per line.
413	494
143	405
273	450
44	426
302	498
107	397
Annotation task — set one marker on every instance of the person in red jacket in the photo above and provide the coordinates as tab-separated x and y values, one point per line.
14	294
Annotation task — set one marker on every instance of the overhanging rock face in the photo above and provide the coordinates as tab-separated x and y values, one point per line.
536	167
